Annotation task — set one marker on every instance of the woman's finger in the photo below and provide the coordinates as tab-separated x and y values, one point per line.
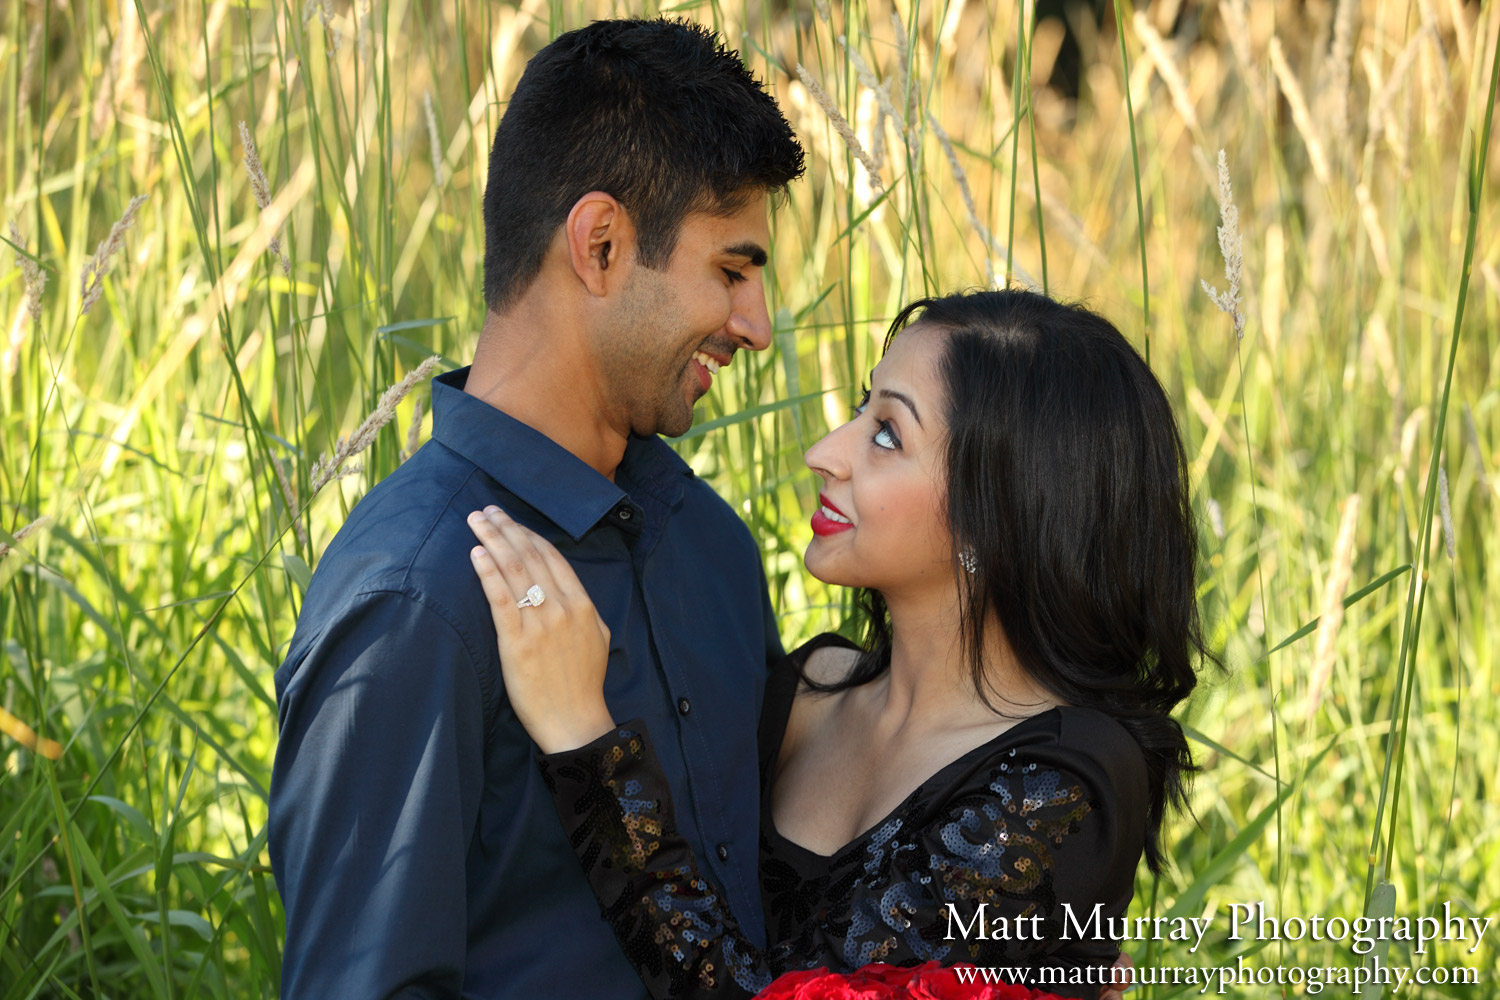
525	566
497	592
563	575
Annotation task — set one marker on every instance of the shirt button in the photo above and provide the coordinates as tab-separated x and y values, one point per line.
684	706
623	514
723	852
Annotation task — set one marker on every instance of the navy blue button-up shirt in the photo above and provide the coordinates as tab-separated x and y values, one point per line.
416	849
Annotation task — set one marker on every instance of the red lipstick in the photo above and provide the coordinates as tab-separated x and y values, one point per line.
822	524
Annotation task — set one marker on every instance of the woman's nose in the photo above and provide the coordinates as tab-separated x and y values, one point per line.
828	455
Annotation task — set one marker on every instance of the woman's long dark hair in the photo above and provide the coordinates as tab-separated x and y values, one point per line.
1067	480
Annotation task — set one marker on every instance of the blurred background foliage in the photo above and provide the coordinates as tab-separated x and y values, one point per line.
166	398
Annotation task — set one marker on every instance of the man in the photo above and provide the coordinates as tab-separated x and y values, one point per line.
416	850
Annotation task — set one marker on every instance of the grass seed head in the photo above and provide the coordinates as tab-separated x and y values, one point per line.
841	126
1447	513
1231	246
434	144
32	274
326	470
91	281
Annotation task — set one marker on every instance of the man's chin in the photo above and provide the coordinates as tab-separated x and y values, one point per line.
676	423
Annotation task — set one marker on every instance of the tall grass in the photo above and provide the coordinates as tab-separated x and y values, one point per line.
162	448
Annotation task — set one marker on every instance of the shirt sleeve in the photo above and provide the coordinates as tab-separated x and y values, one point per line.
1020	836
374	797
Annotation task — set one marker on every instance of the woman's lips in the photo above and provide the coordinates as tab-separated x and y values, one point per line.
828	519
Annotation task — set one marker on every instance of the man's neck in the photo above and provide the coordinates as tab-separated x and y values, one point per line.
531	364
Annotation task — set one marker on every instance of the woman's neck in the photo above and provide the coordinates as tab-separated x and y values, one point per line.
930	681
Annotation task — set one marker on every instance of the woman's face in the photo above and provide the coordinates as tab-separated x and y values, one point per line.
882	520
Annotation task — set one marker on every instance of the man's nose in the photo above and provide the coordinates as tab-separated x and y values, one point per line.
749	322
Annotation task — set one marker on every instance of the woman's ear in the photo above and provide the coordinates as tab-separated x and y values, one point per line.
600	236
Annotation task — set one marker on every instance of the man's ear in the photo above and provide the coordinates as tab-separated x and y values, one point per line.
601	237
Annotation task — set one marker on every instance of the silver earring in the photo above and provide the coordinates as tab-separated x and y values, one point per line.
968	560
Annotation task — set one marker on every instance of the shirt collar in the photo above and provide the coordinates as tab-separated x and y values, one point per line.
542	473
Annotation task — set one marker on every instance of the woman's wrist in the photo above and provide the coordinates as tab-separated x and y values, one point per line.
577	729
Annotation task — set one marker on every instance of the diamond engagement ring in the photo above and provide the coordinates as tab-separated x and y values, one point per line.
534	597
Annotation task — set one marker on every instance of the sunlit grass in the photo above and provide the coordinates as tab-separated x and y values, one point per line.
142	623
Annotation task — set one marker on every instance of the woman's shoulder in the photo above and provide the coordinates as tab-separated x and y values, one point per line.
824	659
1083	750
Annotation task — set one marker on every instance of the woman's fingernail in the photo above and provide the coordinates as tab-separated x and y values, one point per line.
476	553
492	510
474	516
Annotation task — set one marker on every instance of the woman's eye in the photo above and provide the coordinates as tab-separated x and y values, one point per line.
885	438
864	401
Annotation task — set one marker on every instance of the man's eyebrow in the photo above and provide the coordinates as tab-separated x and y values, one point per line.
754	251
893	394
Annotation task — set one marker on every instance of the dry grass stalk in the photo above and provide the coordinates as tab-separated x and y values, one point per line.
1340	58
28	64
433	142
324	13
26	736
326	469
289	494
1378	119
824	13
1333	605
842	127
413	430
1066	223
1371	222
1447	512
262	190
1471	431
1167	69
1301	117
91	281
1461	31
948	33
867	77
1237	27
963	187
877	137
1231	245
25	532
364	32
905	78
32	275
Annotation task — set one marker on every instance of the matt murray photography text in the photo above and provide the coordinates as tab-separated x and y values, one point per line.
1241	921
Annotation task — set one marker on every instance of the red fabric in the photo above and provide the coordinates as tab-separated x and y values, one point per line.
888	982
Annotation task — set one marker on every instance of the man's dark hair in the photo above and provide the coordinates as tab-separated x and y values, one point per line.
657	113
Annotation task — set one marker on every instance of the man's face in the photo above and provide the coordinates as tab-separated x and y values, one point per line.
675	327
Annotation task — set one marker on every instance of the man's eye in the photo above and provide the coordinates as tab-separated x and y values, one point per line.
732	274
885	437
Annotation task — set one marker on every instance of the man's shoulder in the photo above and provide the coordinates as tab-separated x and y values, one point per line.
709	509
407	540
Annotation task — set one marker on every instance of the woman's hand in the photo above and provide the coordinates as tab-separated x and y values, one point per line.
552	655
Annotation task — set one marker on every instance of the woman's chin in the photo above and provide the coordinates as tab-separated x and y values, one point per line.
827	570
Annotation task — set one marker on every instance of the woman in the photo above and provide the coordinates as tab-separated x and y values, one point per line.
978	781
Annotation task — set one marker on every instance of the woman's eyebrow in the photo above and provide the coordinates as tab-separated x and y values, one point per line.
902	397
754	251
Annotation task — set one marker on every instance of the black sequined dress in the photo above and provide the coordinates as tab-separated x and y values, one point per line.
1046	820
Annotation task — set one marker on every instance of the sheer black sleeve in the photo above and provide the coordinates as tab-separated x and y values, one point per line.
674	925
